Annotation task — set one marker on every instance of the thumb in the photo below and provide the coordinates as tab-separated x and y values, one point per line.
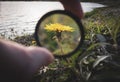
40	56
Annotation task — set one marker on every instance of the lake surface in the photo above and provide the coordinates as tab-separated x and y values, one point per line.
19	18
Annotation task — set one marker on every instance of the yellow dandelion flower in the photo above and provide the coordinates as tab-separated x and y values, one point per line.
33	42
58	28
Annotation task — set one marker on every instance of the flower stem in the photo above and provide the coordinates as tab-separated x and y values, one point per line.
60	46
58	39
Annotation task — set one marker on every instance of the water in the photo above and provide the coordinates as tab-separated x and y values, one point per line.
19	18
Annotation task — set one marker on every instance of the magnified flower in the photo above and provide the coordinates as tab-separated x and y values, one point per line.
33	42
58	28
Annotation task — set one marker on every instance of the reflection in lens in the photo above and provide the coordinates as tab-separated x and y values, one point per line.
59	33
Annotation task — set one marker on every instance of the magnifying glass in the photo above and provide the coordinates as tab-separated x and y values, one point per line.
61	32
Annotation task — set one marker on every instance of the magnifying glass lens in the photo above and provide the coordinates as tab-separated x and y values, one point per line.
59	33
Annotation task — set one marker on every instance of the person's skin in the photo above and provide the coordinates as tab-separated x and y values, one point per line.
19	63
74	6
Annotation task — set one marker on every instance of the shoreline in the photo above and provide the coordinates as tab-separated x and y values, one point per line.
90	16
112	10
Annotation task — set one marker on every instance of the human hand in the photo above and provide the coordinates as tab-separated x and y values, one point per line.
74	6
18	63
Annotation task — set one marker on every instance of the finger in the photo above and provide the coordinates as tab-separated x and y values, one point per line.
76	9
40	56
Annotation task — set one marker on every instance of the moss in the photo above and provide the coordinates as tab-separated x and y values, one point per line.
27	40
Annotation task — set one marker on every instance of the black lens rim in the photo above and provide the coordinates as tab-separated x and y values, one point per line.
68	13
